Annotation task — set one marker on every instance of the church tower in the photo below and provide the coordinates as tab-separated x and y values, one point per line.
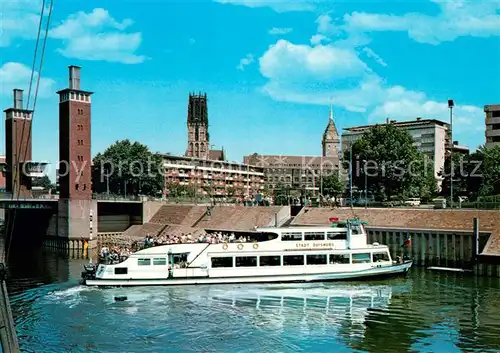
331	141
197	123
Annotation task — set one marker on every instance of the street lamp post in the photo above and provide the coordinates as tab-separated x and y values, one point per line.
366	183
451	104
350	175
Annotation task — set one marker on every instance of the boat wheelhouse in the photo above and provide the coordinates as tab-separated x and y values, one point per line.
291	254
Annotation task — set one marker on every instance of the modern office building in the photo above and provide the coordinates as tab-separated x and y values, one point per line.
492	122
432	137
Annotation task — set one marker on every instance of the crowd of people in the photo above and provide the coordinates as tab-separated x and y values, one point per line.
116	254
191	238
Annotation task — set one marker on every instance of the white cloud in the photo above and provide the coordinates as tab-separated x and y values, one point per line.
98	36
276	5
465	117
279	31
293	62
319	39
371	54
12	28
247	60
326	73
17	75
458	18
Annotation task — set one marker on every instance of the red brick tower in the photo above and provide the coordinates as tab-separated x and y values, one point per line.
74	140
18	147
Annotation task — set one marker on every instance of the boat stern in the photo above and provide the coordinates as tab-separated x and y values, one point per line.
89	273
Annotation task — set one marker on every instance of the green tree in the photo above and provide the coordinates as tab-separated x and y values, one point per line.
43	182
490	170
386	159
333	185
128	166
281	194
467	175
177	190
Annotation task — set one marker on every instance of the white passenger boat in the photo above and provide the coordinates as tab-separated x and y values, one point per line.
292	254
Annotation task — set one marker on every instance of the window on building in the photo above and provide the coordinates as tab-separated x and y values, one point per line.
84	186
293	260
316	259
76	186
270	261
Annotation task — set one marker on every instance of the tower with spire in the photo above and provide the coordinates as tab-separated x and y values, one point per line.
331	140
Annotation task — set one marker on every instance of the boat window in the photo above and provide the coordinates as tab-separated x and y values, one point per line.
246	261
337	259
336	235
293	260
314	235
160	261
225	261
121	270
361	258
316	259
381	256
291	236
178	258
355	230
143	262
270	261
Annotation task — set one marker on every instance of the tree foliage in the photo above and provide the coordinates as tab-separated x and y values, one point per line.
177	190
393	166
129	166
43	182
477	174
333	185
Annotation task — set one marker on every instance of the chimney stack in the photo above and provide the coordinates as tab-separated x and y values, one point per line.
74	77
18	98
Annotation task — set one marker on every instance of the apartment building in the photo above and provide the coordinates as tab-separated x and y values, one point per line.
492	122
214	178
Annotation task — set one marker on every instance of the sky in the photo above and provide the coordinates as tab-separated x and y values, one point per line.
270	68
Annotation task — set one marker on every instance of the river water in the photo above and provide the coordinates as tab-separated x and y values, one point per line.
425	312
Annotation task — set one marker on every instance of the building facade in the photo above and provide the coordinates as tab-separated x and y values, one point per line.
492	122
301	173
212	178
431	137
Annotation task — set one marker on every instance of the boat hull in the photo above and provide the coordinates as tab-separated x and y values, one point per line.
372	273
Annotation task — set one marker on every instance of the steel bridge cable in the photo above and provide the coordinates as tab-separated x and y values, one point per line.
34	102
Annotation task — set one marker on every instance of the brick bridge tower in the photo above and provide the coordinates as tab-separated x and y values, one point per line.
18	148
76	206
197	123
